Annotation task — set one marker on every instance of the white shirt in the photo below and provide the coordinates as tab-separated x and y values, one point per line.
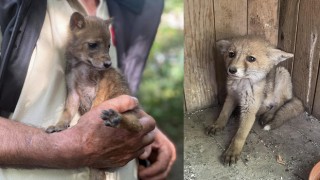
44	92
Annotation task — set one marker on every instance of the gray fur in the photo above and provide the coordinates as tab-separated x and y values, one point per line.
259	87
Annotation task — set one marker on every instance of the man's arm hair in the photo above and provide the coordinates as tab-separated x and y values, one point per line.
88	143
27	146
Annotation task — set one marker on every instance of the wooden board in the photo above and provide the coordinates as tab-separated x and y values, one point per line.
263	19
199	81
230	18
288	21
230	21
316	103
305	69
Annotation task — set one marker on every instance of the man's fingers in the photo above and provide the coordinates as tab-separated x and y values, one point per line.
153	172
148	138
139	153
162	158
160	166
160	175
121	103
146	154
145	142
148	124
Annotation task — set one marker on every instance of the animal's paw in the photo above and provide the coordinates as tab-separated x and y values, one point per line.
214	128
57	128
231	156
266	118
111	118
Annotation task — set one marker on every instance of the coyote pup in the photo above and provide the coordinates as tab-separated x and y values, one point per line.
89	75
258	86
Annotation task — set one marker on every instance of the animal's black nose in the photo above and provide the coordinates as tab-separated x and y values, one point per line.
232	70
107	64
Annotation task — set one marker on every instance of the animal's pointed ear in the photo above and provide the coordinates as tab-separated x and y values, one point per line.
108	22
223	45
77	21
278	56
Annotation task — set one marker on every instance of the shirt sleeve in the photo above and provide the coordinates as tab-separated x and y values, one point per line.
0	39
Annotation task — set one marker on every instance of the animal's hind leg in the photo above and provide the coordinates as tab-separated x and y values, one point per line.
289	110
131	121
111	118
128	120
101	93
269	115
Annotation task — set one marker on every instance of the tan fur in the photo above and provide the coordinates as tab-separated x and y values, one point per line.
90	78
258	86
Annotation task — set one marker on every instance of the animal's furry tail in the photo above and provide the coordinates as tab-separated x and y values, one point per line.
289	110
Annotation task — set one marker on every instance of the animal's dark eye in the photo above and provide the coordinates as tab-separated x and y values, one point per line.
251	59
92	45
109	46
231	54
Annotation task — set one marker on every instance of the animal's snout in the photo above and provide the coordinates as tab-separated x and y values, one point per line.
107	64
232	70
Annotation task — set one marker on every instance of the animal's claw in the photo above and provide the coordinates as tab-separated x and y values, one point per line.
213	129
111	118
57	128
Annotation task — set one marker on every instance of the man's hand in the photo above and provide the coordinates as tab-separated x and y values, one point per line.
90	143
161	154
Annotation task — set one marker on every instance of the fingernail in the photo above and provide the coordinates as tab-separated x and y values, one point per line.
135	100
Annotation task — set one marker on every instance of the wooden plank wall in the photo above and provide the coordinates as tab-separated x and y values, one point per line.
288	28
209	20
230	20
298	33
292	25
306	64
200	86
263	19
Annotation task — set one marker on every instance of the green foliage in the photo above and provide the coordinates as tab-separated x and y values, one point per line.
161	89
173	6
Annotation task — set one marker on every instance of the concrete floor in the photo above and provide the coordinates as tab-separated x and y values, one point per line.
297	142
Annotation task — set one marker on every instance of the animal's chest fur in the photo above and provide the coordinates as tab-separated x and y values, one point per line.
87	95
241	89
248	93
266	93
85	83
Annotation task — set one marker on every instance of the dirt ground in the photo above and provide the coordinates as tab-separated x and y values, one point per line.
288	152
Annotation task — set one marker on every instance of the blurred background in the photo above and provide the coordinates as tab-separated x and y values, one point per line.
161	89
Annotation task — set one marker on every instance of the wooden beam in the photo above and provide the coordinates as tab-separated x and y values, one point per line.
263	19
288	23
306	64
230	18
230	21
200	85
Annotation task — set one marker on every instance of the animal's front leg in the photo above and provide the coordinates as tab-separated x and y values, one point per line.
222	120
71	108
247	118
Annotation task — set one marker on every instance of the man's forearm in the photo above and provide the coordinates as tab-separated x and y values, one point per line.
88	143
27	146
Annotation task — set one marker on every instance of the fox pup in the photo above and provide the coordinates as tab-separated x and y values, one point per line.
258	86
89	75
